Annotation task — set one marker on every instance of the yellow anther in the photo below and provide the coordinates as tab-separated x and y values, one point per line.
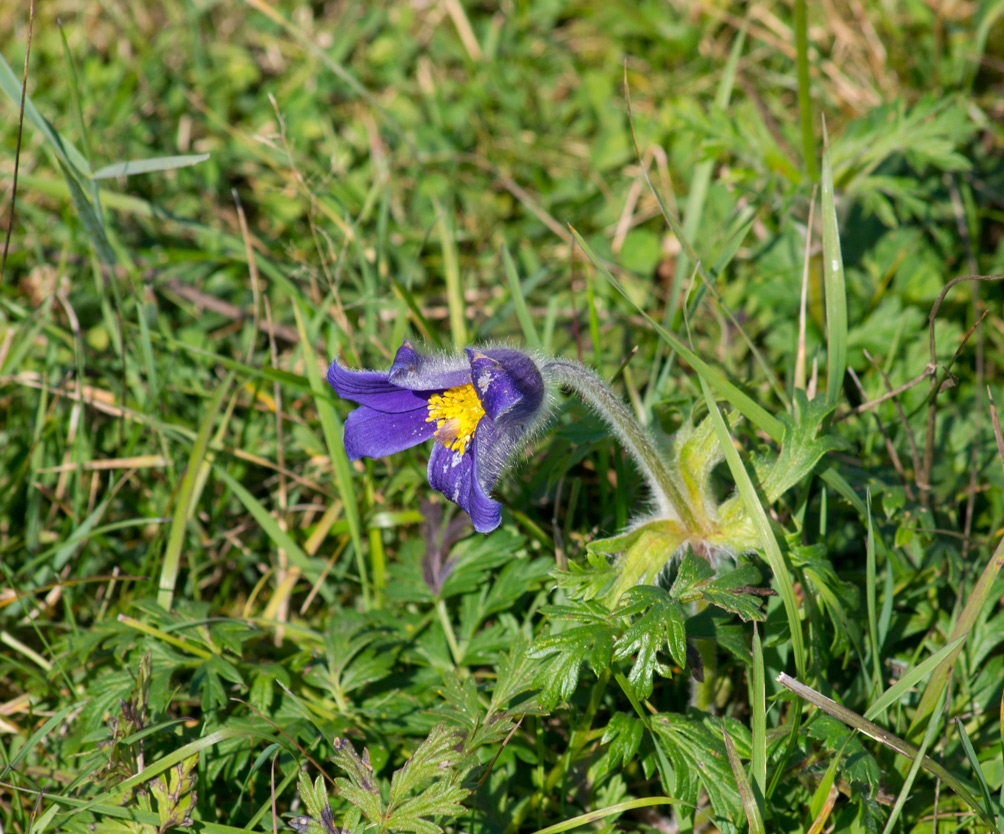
457	412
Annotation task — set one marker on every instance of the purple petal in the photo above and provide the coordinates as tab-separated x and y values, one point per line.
507	381
372	388
451	473
494	385
419	372
374	434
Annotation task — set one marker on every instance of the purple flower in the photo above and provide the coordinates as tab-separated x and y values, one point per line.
479	408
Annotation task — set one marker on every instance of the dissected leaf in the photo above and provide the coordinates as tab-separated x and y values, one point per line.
566	651
438	753
736	591
315	797
624	734
439	800
174	794
802	446
699	761
661	625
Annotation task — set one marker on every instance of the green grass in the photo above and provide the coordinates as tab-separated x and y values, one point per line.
206	609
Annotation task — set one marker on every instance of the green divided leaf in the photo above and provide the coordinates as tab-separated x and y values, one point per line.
568	650
439	800
434	756
423	793
802	446
360	788
623	733
699	761
735	591
320	819
661	624
174	794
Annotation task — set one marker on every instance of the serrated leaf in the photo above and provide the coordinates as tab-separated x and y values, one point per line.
173	792
438	800
368	803
649	549
206	681
802	446
567	652
661	625
516	673
735	592
859	765
699	760
692	573
461	696
624	734
359	789
438	753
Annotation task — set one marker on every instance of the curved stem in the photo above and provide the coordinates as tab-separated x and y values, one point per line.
635	438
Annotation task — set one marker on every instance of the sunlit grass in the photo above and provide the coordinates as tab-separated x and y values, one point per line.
216	200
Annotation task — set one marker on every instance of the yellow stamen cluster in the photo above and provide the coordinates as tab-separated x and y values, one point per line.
457	411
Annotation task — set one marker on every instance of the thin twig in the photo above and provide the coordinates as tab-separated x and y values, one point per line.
17	147
895	392
253	272
960	222
935	385
914	451
890	448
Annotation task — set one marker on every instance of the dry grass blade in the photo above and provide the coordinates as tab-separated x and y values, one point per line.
932	407
893	742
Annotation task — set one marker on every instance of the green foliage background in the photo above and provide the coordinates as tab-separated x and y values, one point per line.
206	608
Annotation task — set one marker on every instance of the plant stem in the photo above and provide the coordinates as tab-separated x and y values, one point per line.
451	638
636	439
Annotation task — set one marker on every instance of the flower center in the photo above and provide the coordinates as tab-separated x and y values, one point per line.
457	412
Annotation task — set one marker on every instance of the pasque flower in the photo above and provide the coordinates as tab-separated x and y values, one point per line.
480	407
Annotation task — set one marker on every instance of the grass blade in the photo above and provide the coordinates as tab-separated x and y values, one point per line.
50	724
872	730
146	166
776	560
746	405
804	94
939	680
518	302
331	425
899	689
870	596
451	273
904	792
601	813
66	152
751	803
758	719
836	292
699	183
967	746
187	498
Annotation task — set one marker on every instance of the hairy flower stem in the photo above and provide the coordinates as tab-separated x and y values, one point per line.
635	438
